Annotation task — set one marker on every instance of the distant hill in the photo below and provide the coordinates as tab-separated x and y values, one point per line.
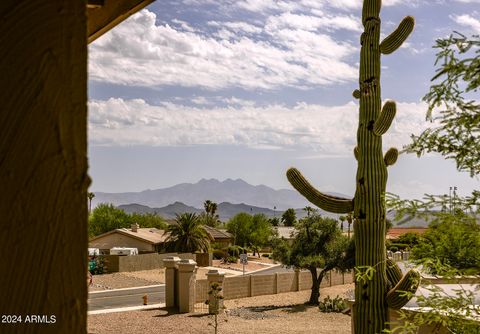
194	194
225	210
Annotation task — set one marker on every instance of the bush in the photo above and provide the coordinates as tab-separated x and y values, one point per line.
218	254
336	305
266	255
235	251
398	246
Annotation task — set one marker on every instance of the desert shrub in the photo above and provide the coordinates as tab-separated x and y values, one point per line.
336	305
235	251
266	255
218	254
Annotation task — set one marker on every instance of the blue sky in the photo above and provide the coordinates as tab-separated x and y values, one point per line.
193	89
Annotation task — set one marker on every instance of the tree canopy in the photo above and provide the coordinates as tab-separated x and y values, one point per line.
210	216
319	247
106	217
456	136
289	217
252	231
451	242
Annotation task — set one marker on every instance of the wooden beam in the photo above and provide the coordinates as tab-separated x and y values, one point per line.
95	3
102	19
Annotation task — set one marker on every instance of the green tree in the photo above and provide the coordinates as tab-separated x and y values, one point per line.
149	220
319	247
106	217
274	221
456	136
210	217
452	242
261	232
187	235
289	217
309	210
410	238
239	226
252	231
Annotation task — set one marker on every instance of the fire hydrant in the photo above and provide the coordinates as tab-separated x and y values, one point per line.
145	299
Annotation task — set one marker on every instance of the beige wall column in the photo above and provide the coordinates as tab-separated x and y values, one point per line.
297	275
186	285
171	269
215	276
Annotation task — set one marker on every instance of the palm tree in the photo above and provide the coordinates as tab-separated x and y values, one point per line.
211	219
90	197
187	235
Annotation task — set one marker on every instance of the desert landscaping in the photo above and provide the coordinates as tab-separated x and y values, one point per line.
281	313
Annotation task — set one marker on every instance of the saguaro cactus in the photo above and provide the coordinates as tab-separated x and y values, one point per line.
385	289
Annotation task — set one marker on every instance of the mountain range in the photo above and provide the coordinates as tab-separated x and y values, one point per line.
225	210
195	194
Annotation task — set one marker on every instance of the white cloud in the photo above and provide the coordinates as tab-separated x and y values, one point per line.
329	131
139	52
468	21
312	23
237	27
468	1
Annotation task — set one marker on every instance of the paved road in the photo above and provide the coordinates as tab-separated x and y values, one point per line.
125	297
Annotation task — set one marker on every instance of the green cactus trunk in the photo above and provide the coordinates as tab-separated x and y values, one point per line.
374	296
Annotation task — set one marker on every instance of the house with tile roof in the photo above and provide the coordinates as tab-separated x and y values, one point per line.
147	240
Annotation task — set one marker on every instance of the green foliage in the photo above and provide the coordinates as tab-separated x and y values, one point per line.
439	309
96	265
218	254
235	251
409	239
187	235
152	220
289	217
453	243
336	305
397	246
209	217
251	231
318	244
106	217
274	221
456	136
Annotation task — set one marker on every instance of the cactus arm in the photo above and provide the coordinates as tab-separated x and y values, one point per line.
355	152
396	297
396	38
391	156
394	273
385	119
326	202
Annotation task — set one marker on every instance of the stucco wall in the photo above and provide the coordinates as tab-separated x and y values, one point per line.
119	240
43	164
256	285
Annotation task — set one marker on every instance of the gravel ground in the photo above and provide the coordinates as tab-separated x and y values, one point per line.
282	313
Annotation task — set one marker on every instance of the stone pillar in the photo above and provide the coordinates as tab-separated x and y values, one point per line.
186	285
214	276
171	289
